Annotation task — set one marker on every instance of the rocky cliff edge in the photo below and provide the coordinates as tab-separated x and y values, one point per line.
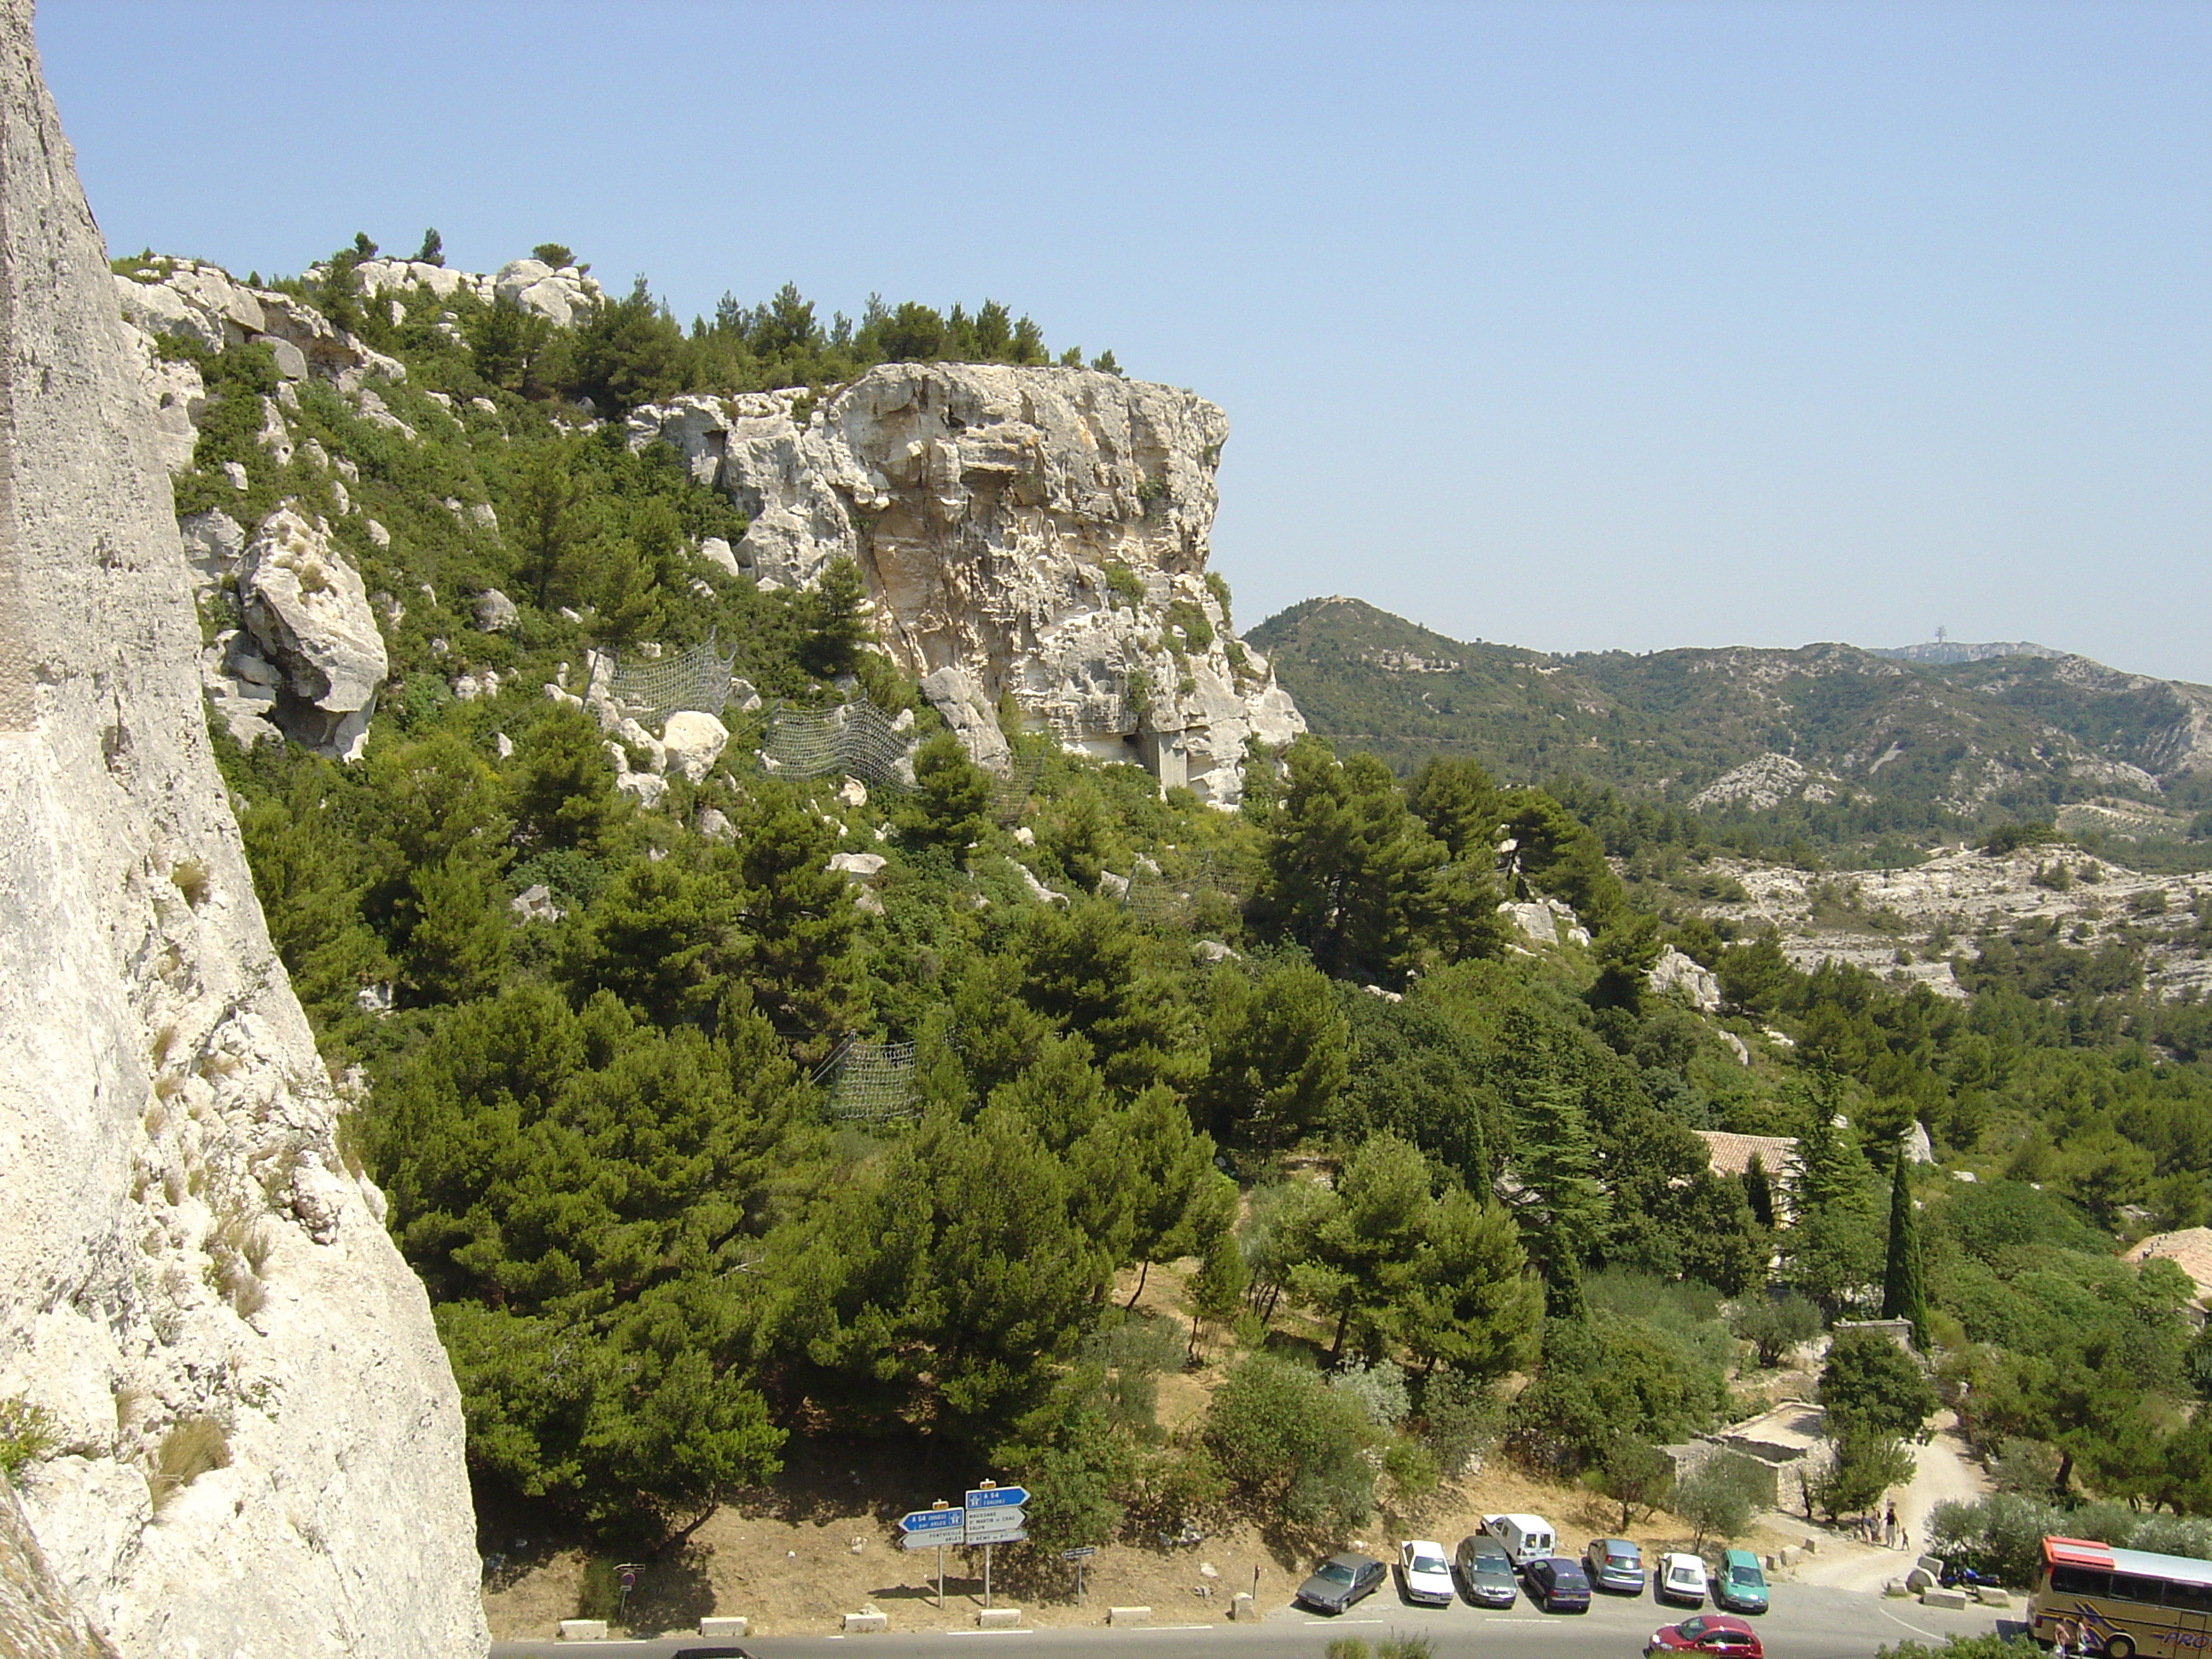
248	1439
1030	537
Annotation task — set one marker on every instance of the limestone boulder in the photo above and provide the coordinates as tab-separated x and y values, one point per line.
495	612
693	742
307	610
1677	975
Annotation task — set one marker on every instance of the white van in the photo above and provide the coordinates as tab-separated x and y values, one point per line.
1524	1538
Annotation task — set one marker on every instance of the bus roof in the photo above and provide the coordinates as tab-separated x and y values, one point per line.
2146	1563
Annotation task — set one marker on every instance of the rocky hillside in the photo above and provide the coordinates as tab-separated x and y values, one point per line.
229	1425
1887	742
1032	540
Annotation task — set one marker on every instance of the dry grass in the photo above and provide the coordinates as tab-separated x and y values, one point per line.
238	1247
190	877
192	1446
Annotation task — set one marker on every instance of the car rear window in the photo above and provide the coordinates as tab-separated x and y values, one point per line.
1621	1559
1683	1573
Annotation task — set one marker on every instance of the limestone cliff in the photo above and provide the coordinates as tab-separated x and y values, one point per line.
254	1443
1038	535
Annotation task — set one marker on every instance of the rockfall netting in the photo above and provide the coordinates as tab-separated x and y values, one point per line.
869	1082
653	688
857	739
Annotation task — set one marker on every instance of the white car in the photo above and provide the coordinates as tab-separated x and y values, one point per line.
1679	1578
1424	1573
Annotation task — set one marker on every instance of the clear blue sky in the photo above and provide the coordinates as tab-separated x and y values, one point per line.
1579	326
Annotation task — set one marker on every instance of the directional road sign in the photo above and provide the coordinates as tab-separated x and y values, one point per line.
939	1540
992	1498
1080	1553
931	1521
995	1526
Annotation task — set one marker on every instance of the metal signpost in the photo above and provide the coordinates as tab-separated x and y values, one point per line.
933	1529
994	1517
1079	1554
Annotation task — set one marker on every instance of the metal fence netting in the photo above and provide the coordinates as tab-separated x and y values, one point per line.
653	688
856	740
869	1082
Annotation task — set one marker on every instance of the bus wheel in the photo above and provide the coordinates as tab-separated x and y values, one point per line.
2119	1648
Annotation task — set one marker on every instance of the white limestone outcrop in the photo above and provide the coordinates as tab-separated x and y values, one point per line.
306	609
257	1442
1033	534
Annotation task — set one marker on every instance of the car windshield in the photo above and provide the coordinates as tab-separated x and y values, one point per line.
1428	1564
1690	1627
1335	1572
1490	1561
1745	1575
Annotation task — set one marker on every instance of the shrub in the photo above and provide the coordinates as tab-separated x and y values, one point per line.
1870	1382
1773	1329
192	1446
1293	1446
1716	1498
27	1434
1123	586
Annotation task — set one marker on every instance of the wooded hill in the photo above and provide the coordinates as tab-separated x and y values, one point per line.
1912	752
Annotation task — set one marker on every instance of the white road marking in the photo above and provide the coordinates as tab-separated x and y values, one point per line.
1915	1629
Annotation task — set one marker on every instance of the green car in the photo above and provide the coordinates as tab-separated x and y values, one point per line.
1739	1585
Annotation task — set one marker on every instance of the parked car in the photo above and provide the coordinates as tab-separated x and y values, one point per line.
1739	1585
1485	1577
1524	1538
1679	1578
1716	1633
1342	1579
1557	1585
1614	1563
1424	1574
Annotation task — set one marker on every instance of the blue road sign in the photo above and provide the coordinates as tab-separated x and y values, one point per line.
992	1498
934	1521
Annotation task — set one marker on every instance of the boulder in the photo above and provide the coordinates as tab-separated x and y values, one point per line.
536	904
305	608
693	742
859	866
970	716
495	612
716	552
1679	975
214	543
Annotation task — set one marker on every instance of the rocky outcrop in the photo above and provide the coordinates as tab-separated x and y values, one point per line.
305	608
561	294
1032	535
257	1444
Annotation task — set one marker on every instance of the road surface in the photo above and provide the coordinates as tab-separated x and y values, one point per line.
1809	1622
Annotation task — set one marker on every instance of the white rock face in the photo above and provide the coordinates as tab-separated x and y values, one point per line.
306	608
179	1242
1037	534
692	743
1678	973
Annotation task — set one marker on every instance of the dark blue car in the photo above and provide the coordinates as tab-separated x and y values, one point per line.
1557	1585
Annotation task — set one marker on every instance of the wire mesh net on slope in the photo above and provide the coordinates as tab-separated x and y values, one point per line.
1173	896
869	1083
1010	794
656	687
857	739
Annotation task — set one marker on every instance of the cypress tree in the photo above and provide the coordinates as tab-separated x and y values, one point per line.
1759	1191
1904	1291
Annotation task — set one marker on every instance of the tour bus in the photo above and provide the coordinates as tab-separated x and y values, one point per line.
2124	1601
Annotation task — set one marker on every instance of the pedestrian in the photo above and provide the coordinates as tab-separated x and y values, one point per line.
2061	1644
1889	1527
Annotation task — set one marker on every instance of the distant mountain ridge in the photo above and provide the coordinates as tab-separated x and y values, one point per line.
1924	740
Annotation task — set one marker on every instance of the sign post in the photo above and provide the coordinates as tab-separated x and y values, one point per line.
1079	1554
994	1517
933	1529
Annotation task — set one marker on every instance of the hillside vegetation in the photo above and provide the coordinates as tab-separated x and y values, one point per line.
1880	755
665	1229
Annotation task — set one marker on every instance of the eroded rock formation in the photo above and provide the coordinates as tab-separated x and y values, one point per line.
254	1443
1038	535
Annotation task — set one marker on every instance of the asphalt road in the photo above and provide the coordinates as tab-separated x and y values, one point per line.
1807	1622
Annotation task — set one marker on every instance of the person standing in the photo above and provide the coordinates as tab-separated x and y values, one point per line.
1889	1526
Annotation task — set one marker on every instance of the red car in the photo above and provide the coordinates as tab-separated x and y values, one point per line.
1716	1633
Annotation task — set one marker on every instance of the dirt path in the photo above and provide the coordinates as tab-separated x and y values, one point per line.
1943	1472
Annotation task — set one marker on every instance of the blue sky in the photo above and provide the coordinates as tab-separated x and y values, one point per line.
1579	326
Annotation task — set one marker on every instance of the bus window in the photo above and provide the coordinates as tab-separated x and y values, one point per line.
2080	1581
2190	1598
2126	1586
